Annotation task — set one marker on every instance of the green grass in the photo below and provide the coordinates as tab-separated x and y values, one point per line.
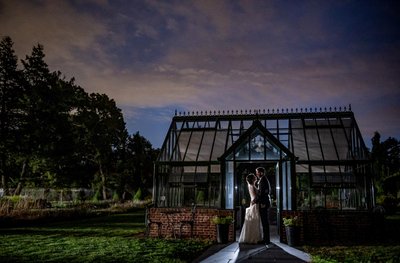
114	238
354	254
387	249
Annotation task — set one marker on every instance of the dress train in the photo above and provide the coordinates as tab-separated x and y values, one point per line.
252	231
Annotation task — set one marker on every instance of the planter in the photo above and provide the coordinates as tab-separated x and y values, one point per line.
222	233
291	235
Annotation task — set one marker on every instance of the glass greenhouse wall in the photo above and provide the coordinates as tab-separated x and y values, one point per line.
315	159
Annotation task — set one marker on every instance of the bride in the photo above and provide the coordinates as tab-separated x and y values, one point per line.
252	228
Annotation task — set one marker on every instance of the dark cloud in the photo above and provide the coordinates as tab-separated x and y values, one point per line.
155	56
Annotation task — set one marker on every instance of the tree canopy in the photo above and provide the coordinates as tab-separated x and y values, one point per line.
53	134
386	169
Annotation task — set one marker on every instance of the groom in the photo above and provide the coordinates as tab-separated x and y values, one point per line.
262	198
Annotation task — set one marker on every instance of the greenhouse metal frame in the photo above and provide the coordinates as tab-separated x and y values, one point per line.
315	158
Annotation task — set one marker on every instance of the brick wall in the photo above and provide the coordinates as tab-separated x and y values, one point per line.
325	227
170	219
334	227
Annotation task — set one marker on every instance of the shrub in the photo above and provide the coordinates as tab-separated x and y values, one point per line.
389	202
200	197
222	220
115	196
138	195
291	221
97	196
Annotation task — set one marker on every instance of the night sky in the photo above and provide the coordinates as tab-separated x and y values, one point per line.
153	57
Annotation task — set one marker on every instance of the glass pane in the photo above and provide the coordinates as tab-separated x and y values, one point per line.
328	148
302	168
287	186
303	191
205	150
194	146
317	198
313	145
188	195
202	195
303	181
299	144
350	198
242	151
189	169
229	185
284	139
257	146
347	124
182	144
273	153
219	146
283	124
175	175
332	198
215	168
341	143
215	194
271	125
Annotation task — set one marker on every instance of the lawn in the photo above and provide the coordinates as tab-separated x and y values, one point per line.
113	238
119	238
385	250
355	254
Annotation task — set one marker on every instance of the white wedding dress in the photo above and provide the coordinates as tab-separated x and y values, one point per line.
252	231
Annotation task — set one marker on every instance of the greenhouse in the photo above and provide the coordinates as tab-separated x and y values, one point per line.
315	159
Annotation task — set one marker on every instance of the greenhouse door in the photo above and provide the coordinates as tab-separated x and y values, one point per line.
256	147
242	198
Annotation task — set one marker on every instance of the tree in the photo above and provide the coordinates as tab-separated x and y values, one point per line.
391	178
102	133
54	134
141	159
10	94
386	166
33	132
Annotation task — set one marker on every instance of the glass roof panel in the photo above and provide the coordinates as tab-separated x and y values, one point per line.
219	146
247	124
299	144
182	143
328	147
272	124
236	125
348	127
313	144
206	145
223	125
341	143
323	138
194	146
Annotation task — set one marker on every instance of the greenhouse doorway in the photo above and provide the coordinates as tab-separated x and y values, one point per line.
242	194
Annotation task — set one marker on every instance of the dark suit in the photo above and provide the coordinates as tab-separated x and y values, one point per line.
262	198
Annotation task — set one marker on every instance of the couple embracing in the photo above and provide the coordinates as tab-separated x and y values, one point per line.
256	227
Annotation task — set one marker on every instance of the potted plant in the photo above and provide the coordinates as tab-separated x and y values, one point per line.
291	223
222	223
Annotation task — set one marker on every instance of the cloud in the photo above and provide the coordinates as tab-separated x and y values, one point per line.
222	55
55	24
